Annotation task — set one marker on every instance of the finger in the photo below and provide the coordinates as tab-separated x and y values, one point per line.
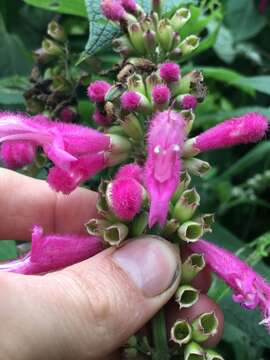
25	201
204	304
90	309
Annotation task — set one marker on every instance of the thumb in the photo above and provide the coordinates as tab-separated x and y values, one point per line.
90	309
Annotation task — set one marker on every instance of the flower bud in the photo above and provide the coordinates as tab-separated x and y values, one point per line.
191	267
204	326
193	351
129	5
132	127
190	231
197	167
95	227
67	114
134	101
135	83
51	48
139	224
119	144
170	72
186	296
165	34
181	332
125	197
136	37
186	102
161	95
186	205
170	228
210	354
97	90
132	170
112	10
116	130
151	81
185	181
189	44
115	234
101	119
179	19
18	153
56	31
150	41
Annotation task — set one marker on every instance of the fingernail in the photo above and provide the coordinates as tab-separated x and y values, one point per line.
152	263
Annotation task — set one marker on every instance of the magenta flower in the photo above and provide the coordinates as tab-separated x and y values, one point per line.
53	252
113	9
125	196
130	100
129	5
77	151
67	114
16	154
249	288
244	129
101	119
134	171
189	102
170	72
161	94
97	90
162	169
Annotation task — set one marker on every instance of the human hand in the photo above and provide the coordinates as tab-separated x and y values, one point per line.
88	310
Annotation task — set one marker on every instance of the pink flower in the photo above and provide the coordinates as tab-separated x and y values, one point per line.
125	196
16	154
170	72
53	252
130	100
134	171
162	168
101	119
67	114
244	129
161	94
189	102
249	288
97	90
129	5
113	9
77	150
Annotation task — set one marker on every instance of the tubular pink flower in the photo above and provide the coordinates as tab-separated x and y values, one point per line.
113	9
101	119
244	129
162	169
125	197
189	102
130	100
249	288
129	5
16	154
170	72
53	252
161	94
77	150
97	90
134	171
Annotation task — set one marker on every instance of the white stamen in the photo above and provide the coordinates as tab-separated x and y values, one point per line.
157	150
176	148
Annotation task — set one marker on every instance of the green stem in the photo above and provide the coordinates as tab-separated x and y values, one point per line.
161	350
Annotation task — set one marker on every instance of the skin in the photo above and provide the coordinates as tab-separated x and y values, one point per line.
85	311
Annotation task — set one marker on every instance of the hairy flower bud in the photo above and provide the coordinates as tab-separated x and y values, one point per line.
133	171
134	101
97	90
16	154
161	95
112	9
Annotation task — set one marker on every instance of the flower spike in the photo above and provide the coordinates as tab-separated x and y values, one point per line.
249	288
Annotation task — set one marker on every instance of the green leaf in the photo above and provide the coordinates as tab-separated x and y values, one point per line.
72	7
243	19
12	89
258	83
7	249
101	31
224	46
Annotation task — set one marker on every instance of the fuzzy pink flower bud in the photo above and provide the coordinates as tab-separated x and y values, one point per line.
129	5
16	154
162	169
170	72
101	119
249	288
161	94
97	90
133	171
125	196
130	100
189	102
53	252
113	9
67	114
242	130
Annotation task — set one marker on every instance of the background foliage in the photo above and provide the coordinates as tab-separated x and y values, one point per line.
234	55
